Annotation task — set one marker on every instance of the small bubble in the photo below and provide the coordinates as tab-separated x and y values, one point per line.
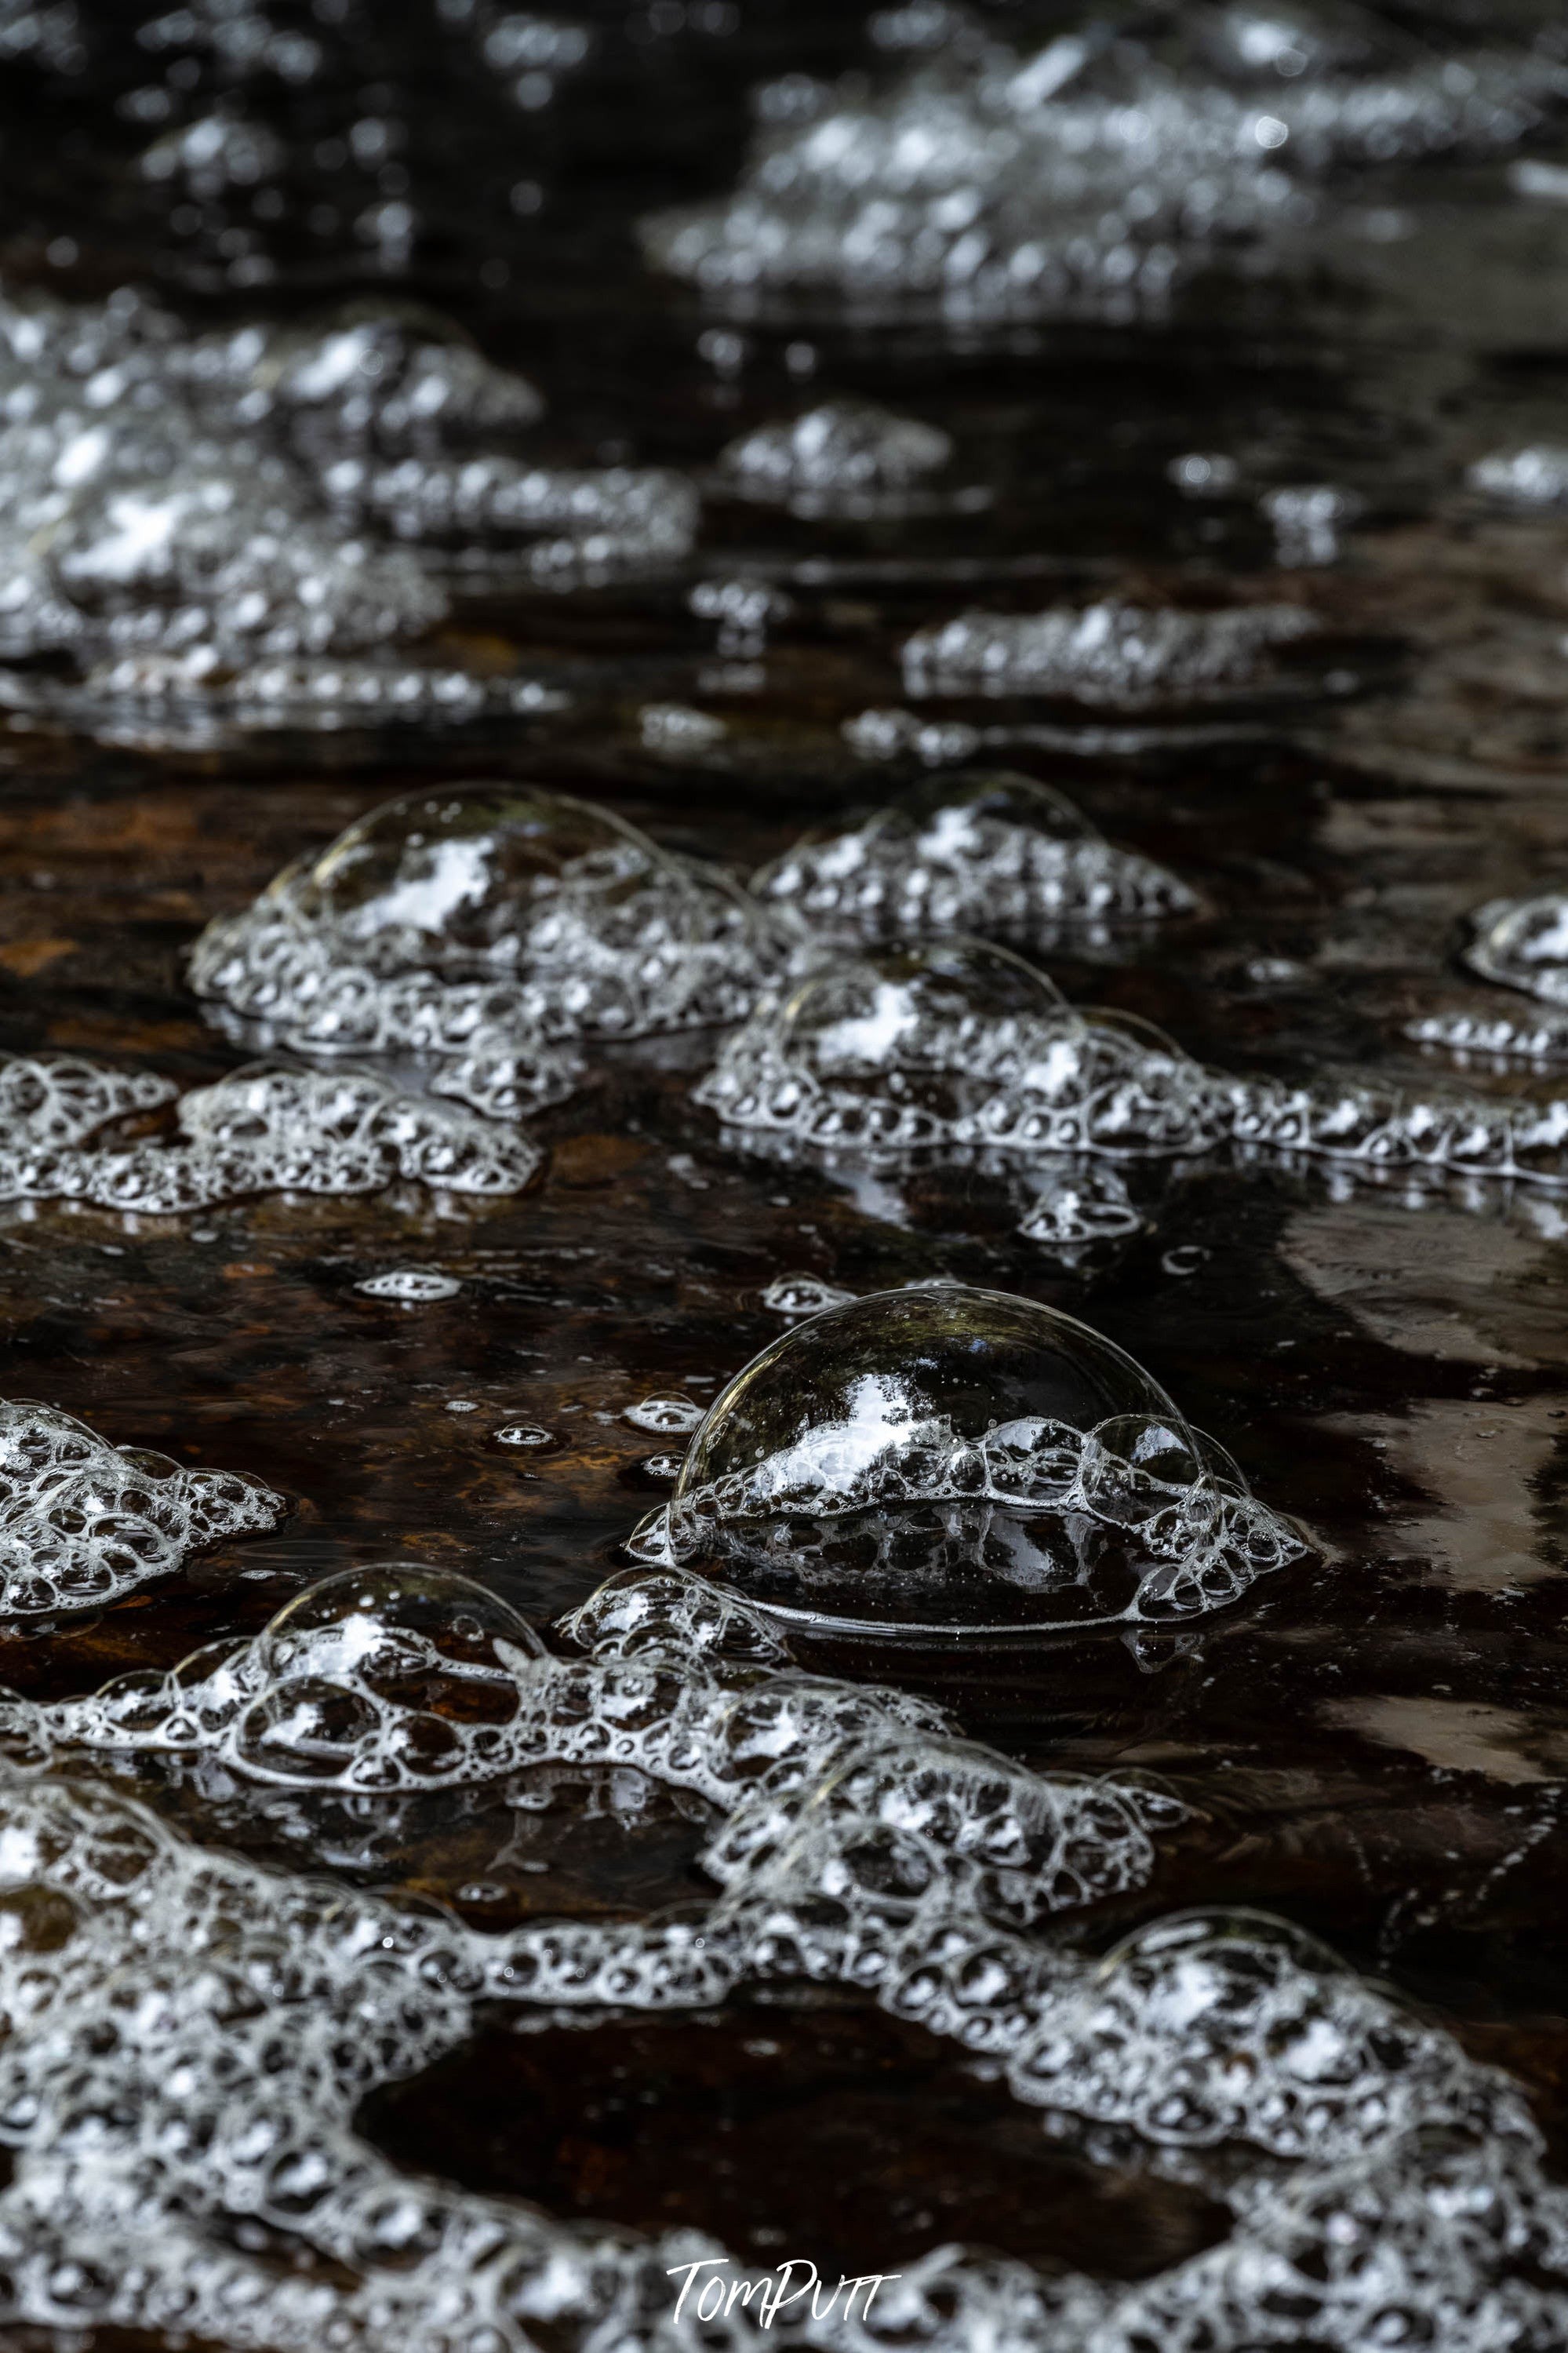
522	1433
663	1466
1185	1259
664	1414
416	1286
803	1294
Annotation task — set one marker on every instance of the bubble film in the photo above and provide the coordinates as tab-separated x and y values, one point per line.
478	928
961	1046
983	851
262	1130
1111	653
954	1456
189	2036
82	1521
1090	174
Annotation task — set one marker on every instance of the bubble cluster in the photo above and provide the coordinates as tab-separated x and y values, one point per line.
410	1286
1091	174
1527	1037
943	1455
1535	476
82	1521
848	457
1523	944
214	515
189	2036
958	1043
1115	653
478	930
959	1046
983	851
262	1130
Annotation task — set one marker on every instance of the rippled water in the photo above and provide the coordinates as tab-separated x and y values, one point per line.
784	1175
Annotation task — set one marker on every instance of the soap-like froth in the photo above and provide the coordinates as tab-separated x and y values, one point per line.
982	850
957	1043
960	1046
1523	944
848	457
1090	175
82	1521
262	1130
476	929
189	2036
948	1456
210	514
1125	655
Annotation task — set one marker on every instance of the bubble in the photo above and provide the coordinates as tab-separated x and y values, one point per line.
209	2029
674	731
664	1414
993	181
414	1286
1537	1036
846	456
205	523
803	1294
959	1457
1108	653
1307	518
262	1130
524	1433
959	1048
82	1521
477	928
956	1043
983	851
1523	944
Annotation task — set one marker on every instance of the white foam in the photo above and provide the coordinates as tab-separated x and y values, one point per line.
846	456
1116	653
82	1521
961	1046
189	2036
262	1130
986	851
1090	175
479	930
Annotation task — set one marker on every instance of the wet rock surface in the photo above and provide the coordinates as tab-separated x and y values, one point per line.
1235	522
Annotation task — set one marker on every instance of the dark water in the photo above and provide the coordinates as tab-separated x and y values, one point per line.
1373	1743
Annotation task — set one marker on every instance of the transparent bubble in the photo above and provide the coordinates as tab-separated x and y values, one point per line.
381	1676
411	1286
1523	944
948	1456
958	1042
984	851
477	925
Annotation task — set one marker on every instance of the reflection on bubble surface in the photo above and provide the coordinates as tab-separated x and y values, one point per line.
961	1458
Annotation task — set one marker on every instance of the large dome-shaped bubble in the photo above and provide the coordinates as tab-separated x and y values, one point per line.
477	928
958	1042
957	1458
983	850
